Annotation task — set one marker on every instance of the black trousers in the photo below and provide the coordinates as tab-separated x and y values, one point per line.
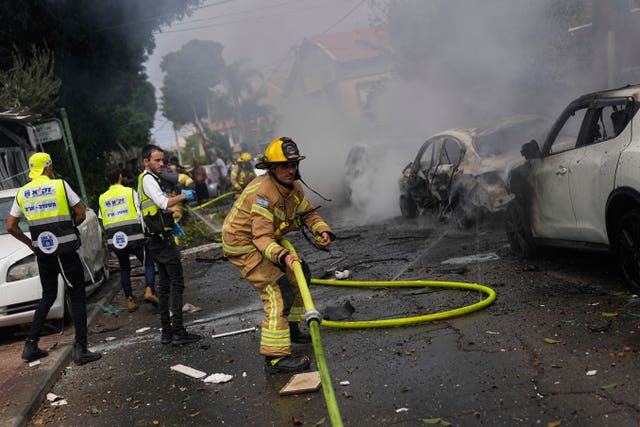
166	255
72	271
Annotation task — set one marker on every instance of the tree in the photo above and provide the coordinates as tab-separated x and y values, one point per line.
190	75
30	87
99	49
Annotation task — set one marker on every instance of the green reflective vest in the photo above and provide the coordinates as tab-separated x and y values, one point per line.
43	202
120	218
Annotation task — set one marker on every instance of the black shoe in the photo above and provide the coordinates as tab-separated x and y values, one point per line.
297	336
286	364
181	336
82	355
31	351
166	336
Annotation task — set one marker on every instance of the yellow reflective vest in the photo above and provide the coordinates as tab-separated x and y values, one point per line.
158	222
120	218
44	204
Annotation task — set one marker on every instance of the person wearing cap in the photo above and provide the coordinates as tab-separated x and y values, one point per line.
159	228
122	222
269	207
52	210
241	172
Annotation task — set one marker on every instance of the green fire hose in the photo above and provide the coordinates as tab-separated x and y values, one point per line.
314	319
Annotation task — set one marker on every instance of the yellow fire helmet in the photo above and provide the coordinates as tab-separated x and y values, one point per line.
280	150
244	157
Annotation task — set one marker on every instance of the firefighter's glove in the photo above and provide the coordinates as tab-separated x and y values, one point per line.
178	231
289	259
322	240
190	194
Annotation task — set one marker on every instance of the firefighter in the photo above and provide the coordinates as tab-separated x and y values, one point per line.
159	226
52	210
122	222
269	207
241	172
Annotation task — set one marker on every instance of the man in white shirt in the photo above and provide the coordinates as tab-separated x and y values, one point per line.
154	202
52	210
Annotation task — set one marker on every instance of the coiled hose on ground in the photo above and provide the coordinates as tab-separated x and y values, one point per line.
314	319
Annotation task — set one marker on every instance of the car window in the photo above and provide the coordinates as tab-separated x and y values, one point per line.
450	153
5	208
567	137
426	160
606	123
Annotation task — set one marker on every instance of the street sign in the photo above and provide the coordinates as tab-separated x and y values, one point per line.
47	131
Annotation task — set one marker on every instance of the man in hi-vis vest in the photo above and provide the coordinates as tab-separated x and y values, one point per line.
122	222
159	226
52	210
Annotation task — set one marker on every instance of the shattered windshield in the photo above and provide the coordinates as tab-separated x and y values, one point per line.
507	140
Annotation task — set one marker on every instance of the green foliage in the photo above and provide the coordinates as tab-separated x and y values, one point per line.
30	86
99	49
190	74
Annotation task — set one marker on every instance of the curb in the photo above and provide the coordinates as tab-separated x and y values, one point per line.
33	395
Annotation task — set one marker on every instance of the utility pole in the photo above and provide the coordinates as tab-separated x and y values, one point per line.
74	157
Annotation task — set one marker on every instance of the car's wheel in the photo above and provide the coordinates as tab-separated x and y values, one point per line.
519	230
627	248
408	207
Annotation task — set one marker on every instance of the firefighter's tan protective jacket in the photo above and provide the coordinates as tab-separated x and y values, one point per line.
264	212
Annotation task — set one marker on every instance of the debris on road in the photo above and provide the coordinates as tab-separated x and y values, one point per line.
34	363
190	308
193	373
52	397
341	312
344	274
218	378
60	402
470	259
141	330
551	341
240	331
345	382
592	373
301	383
402	410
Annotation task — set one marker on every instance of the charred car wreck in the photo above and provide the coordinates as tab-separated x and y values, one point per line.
581	187
460	172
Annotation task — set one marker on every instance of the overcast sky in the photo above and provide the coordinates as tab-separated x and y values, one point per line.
262	30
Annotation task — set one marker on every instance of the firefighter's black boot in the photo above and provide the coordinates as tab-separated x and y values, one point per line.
82	355
297	336
286	364
31	351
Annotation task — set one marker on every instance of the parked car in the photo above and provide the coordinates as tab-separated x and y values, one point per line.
20	288
213	181
581	187
461	171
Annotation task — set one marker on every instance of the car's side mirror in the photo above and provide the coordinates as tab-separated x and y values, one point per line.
531	150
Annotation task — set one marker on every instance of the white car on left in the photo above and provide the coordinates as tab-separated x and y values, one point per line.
20	288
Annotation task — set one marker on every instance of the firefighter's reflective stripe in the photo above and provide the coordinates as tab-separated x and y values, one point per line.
237	250
269	251
238	203
43	202
275	337
255	208
318	224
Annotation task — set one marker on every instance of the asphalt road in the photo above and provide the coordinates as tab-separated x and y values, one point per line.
556	348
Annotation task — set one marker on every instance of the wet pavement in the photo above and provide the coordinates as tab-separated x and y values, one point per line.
556	348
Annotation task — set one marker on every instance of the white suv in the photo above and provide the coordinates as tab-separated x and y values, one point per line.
581	188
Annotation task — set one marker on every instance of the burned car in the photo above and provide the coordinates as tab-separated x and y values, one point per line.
461	171
581	187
